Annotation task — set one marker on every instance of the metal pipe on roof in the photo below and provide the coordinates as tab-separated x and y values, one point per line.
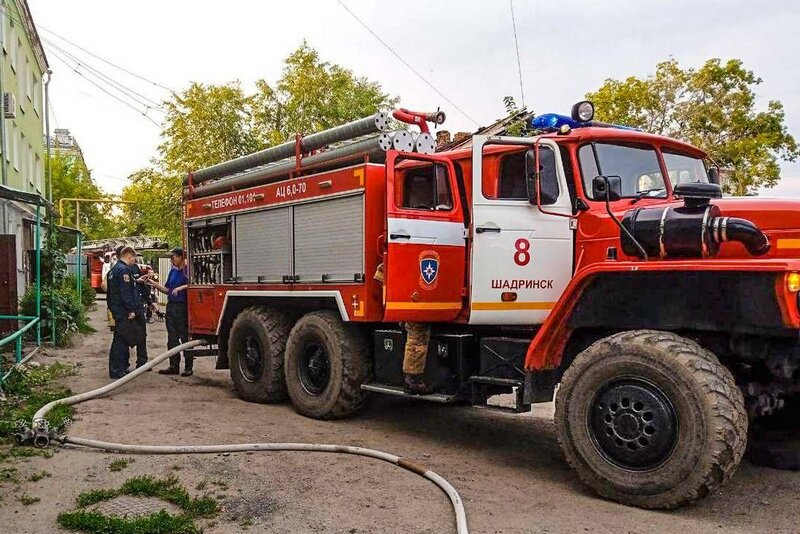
373	147
378	122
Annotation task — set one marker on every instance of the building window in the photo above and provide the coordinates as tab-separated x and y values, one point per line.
15	147
37	93
23	156
6	22
12	54
37	169
28	80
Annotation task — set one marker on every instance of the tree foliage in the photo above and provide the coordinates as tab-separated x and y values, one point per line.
71	179
312	95
207	124
714	108
157	205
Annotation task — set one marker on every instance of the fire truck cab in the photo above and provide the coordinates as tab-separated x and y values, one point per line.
593	256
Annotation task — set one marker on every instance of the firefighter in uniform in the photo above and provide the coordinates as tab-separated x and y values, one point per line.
418	336
177	313
146	301
124	303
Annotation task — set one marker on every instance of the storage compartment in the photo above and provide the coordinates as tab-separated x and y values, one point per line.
264	245
449	364
329	240
210	252
503	357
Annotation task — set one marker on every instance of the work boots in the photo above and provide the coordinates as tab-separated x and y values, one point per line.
415	385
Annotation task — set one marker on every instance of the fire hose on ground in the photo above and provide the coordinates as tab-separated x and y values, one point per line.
41	436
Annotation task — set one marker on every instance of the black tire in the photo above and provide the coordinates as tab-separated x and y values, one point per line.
255	354
326	363
697	432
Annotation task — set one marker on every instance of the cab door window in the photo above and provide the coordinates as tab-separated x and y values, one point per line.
511	180
426	188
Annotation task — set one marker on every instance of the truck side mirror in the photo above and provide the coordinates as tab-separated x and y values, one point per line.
713	175
547	192
607	188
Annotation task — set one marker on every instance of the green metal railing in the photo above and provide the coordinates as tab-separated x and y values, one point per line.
30	321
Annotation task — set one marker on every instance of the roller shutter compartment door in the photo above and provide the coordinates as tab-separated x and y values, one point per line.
263	246
329	240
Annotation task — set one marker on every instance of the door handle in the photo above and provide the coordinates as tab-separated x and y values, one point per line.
399	236
482	229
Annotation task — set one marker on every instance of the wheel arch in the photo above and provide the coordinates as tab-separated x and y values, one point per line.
296	302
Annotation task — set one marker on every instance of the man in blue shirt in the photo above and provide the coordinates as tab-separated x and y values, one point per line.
177	314
124	303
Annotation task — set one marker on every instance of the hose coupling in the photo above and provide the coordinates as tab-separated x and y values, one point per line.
24	436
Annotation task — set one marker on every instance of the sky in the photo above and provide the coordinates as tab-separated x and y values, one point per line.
463	48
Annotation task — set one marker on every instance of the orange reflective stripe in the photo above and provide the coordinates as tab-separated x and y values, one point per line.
504	306
423	305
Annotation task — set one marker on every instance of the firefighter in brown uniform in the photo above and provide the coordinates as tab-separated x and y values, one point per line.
418	335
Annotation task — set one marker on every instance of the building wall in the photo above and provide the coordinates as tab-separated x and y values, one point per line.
23	66
22	76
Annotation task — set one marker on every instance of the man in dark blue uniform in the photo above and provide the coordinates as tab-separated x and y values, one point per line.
146	301
124	303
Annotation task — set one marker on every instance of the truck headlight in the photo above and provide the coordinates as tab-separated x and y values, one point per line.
793	282
583	111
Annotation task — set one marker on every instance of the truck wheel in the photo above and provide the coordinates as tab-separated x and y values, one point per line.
650	419
326	362
255	352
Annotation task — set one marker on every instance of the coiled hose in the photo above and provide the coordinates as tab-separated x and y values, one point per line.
41	439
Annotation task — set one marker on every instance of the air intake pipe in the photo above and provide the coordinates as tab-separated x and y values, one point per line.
694	230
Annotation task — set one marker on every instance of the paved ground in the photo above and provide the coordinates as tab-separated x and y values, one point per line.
507	468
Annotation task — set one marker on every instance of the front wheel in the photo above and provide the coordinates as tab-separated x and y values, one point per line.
650	419
255	352
326	362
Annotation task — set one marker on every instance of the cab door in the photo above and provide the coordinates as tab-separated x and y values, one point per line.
424	263
521	256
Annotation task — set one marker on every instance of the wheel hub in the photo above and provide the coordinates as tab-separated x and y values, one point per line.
633	424
252	364
314	369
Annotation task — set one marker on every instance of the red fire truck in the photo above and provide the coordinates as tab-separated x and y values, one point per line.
590	255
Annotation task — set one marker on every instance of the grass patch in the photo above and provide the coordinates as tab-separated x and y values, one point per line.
27	390
120	464
28	500
168	489
9	474
157	523
36	477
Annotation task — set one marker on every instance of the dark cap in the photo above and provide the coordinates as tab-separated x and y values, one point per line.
177	251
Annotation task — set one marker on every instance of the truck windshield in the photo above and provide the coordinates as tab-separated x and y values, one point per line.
683	169
636	165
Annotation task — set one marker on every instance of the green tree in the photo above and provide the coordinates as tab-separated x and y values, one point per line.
714	108
71	179
207	124
312	95
157	205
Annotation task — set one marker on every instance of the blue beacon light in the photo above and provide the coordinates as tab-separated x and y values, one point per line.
582	116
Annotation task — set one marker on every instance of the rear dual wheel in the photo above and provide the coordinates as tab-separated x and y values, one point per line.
326	363
650	419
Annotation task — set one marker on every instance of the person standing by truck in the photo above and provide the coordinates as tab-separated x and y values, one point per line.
177	314
124	304
146	303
